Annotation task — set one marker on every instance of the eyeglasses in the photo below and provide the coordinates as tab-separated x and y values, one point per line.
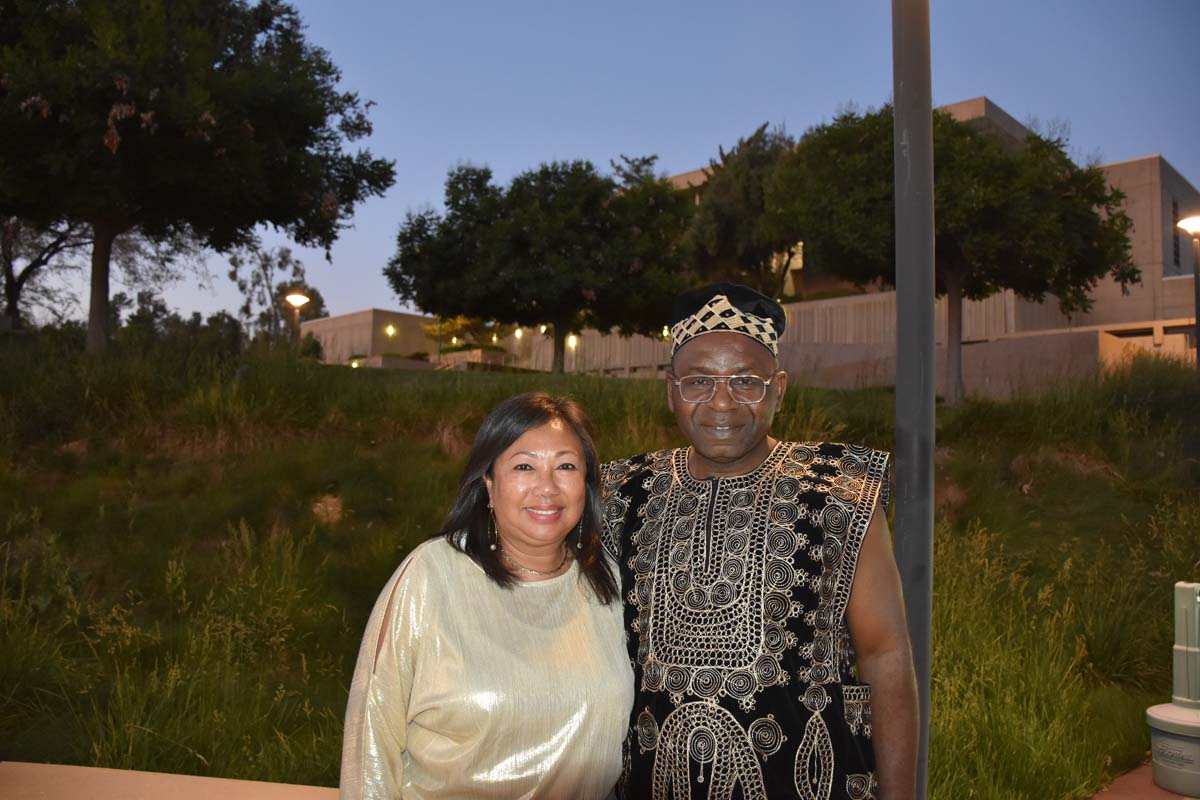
745	389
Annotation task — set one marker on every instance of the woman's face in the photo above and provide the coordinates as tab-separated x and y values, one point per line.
537	488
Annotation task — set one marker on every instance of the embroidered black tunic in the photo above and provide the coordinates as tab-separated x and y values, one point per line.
736	592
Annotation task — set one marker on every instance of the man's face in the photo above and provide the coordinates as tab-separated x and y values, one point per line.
727	437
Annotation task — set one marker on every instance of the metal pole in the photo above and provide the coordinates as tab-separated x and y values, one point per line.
915	364
1196	288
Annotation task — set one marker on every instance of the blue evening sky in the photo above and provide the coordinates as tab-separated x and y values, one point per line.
512	84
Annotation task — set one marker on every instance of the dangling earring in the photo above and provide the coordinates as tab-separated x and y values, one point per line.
492	536
579	535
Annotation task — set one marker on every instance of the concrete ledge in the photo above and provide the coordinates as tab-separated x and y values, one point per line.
23	781
1137	785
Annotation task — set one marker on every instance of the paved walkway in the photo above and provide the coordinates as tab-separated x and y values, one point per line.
22	781
1137	785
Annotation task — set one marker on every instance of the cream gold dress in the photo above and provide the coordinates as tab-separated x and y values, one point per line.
466	689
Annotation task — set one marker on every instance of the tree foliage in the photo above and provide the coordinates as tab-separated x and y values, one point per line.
731	236
1028	219
265	278
561	245
209	115
460	329
32	255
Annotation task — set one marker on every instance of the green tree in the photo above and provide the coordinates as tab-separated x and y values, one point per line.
265	278
1028	220
211	116
648	261
562	245
31	253
730	236
461	330
26	251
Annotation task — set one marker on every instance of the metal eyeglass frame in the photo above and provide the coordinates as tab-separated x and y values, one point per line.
716	379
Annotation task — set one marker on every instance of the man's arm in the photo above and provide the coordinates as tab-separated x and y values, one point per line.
880	637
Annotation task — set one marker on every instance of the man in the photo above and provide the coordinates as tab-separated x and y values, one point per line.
763	607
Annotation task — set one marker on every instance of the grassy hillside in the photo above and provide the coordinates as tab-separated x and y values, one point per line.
191	544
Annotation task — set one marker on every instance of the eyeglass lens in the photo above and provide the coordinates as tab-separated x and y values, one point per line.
742	388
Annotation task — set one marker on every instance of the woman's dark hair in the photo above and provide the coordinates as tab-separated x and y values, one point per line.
469	515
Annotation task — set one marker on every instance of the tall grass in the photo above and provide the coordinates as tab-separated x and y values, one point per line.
1039	688
176	595
239	676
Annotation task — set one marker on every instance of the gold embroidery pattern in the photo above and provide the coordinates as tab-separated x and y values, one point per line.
857	701
814	761
766	735
861	786
704	734
713	599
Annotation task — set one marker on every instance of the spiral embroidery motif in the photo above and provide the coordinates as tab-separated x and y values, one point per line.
767	736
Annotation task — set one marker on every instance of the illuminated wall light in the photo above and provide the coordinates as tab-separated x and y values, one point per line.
543	329
572	341
390	330
666	332
354	364
495	338
453	340
518	333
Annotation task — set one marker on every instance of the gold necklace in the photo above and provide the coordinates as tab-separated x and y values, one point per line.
527	570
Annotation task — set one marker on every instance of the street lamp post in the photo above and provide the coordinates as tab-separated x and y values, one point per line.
915	364
296	300
1192	226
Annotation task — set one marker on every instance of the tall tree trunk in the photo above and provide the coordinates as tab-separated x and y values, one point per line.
779	281
12	289
97	333
12	301
955	391
560	348
12	295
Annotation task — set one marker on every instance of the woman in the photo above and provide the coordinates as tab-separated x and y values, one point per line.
494	663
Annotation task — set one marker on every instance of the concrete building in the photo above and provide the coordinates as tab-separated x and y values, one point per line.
374	337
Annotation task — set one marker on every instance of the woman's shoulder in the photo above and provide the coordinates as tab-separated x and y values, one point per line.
421	566
431	556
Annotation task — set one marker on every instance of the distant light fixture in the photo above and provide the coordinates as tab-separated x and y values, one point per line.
572	341
543	329
518	333
354	364
390	330
666	332
1192	226
495	338
296	299
453	340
